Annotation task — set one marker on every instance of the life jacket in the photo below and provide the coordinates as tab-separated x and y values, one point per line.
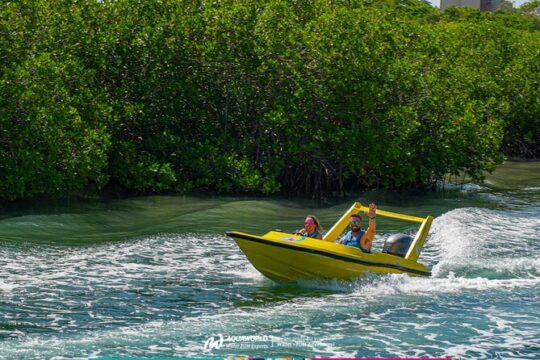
351	240
314	235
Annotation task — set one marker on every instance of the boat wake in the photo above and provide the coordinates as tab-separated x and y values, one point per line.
166	294
495	244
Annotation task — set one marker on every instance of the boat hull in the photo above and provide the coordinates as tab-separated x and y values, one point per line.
284	257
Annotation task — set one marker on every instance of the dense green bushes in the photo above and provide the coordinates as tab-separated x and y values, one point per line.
306	96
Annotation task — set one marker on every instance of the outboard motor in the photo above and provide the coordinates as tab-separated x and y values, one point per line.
397	244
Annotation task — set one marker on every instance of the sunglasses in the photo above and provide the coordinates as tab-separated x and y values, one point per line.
356	222
310	222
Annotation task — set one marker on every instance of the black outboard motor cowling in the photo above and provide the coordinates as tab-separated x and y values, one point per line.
397	244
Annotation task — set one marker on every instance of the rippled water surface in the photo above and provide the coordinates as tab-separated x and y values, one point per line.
156	276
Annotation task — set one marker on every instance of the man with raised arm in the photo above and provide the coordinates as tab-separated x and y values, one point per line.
358	237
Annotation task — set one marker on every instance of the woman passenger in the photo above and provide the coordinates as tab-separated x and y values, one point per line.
312	228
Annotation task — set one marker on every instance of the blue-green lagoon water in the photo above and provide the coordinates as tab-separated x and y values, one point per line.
156	276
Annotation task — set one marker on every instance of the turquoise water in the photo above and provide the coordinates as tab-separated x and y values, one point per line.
155	276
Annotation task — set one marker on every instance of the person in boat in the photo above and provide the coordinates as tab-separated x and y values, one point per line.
312	228
358	237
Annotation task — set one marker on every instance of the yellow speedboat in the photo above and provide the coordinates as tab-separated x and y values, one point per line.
285	257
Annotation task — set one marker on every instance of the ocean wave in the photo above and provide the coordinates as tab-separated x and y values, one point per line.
384	312
165	294
472	239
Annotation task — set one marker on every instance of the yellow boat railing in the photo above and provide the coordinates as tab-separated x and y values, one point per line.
417	244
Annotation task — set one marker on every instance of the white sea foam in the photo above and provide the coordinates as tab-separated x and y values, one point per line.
472	238
186	337
372	330
376	311
463	187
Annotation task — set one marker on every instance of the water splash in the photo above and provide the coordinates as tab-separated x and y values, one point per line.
164	293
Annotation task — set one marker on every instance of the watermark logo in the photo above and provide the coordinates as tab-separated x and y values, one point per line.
214	342
255	342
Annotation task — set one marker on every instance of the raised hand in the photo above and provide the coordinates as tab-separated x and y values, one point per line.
372	210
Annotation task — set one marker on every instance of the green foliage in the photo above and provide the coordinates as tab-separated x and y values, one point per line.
531	7
305	96
53	135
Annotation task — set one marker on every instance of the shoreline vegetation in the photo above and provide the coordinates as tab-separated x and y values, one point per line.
304	97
